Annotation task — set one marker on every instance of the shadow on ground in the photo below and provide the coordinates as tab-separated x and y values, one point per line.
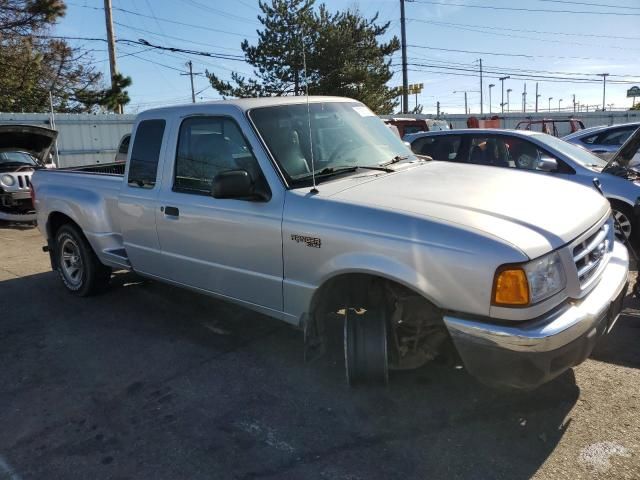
150	381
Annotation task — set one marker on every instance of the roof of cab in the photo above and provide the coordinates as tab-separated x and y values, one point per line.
245	103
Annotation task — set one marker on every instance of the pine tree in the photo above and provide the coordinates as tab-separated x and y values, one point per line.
32	64
343	54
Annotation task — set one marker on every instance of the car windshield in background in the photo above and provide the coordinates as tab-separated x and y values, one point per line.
579	154
343	134
17	158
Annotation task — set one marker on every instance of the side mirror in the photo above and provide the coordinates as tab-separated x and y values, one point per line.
547	164
236	184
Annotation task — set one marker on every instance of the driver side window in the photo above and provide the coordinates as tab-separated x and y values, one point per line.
208	146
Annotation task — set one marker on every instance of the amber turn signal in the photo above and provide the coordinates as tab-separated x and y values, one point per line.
511	288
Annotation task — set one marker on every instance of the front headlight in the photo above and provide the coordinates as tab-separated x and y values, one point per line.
528	283
7	180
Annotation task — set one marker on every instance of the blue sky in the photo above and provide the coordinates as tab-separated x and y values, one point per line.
437	30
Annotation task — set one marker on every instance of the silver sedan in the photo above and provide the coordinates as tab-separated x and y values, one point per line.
545	155
604	140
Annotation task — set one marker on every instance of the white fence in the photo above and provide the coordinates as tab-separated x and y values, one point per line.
83	139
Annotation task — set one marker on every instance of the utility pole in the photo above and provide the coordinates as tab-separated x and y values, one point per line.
481	98
491	85
537	97
524	99
574	103
405	78
509	90
502	79
193	92
466	110
111	43
550	98
604	88
438	109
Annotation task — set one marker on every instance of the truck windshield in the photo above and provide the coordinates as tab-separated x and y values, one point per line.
17	158
342	134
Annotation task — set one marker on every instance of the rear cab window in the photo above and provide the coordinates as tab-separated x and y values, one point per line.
145	153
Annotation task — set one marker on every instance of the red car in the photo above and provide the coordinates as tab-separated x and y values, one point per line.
555	127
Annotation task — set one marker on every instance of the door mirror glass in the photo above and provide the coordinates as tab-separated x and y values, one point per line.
547	164
236	184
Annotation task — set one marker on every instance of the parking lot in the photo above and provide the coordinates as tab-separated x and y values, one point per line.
150	381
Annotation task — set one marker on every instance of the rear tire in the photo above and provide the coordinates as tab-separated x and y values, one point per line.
365	347
78	266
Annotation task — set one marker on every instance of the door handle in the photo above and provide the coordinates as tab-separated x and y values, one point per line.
172	211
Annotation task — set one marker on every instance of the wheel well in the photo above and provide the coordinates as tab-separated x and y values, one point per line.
620	205
352	289
57	220
413	320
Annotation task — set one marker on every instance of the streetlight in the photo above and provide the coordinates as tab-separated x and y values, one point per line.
559	102
610	105
491	85
502	79
509	90
550	98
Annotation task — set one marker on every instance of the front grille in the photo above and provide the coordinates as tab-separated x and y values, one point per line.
589	254
23	181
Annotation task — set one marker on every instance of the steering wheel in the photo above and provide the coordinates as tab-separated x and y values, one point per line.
341	148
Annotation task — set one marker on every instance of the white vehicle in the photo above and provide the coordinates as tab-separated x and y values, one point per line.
308	212
23	150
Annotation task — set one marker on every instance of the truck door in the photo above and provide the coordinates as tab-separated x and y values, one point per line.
229	247
138	199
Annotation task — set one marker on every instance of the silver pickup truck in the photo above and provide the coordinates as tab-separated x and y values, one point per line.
315	212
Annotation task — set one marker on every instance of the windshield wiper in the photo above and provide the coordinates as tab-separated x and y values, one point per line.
396	159
330	171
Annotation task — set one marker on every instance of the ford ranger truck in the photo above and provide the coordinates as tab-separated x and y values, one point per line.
311	212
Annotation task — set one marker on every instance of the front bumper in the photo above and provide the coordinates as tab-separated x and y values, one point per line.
530	353
11	211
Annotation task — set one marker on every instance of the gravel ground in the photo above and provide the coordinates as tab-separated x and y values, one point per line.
150	381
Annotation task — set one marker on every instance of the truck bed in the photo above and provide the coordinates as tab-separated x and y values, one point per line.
89	196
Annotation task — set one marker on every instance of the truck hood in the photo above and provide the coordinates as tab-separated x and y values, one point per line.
627	151
532	211
28	138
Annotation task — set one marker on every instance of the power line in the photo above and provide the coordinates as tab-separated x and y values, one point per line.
136	29
520	76
521	9
607	5
222	13
523	55
175	22
542	32
511	35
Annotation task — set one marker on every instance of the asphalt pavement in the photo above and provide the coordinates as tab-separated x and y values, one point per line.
148	381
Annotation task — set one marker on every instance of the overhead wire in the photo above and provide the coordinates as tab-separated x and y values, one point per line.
511	35
523	9
606	5
543	32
